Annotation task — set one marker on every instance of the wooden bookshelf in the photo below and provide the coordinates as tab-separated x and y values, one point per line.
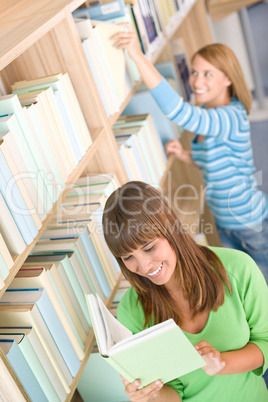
39	38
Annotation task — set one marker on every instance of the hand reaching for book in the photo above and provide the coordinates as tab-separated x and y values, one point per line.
127	39
211	356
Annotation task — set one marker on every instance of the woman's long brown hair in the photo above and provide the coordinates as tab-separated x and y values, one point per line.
136	213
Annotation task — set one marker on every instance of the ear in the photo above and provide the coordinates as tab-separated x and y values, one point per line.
228	82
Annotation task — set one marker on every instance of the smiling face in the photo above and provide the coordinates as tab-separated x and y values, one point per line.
209	85
155	260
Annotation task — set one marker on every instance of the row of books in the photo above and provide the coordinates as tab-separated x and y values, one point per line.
44	318
43	138
113	71
172	12
140	148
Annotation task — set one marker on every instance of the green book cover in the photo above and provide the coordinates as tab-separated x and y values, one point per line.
159	352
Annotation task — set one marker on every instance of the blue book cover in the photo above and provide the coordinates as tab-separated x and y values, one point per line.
14	197
23	371
51	319
102	12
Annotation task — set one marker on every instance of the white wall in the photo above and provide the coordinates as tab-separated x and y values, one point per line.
228	31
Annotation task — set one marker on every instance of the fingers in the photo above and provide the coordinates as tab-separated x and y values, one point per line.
212	357
144	394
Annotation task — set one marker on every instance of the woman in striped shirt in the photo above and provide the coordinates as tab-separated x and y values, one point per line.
221	147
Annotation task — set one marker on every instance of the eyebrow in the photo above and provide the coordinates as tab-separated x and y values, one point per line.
145	245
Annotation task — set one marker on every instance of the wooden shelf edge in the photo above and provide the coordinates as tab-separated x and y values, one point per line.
19	260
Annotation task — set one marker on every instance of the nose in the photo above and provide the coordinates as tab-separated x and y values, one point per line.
145	264
197	80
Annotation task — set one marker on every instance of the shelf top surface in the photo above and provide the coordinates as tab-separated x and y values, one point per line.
23	22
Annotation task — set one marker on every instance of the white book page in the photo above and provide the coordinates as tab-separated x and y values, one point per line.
115	331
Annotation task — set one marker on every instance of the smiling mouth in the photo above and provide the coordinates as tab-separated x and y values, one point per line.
200	91
156	272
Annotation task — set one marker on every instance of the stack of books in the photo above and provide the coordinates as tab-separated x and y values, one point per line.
140	148
43	138
45	322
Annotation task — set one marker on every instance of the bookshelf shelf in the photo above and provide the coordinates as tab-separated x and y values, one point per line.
19	260
39	39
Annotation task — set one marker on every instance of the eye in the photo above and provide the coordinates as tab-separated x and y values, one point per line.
150	249
194	73
208	74
126	258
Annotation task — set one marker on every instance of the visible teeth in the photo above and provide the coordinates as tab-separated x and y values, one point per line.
200	91
156	271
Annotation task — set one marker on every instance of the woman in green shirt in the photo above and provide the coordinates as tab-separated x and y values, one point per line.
217	296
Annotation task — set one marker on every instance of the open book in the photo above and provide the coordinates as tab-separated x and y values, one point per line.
159	352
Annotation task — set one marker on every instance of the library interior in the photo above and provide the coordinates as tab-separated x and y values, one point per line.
78	122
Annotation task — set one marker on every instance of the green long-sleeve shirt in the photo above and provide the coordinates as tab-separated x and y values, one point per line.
243	318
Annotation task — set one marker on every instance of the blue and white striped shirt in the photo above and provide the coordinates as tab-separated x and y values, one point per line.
225	157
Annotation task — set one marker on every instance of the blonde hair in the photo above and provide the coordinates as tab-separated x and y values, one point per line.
225	60
136	213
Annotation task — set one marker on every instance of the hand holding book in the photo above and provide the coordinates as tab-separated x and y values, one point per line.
161	352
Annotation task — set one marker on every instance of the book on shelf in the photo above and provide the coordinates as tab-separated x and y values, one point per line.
9	230
28	315
102	12
6	261
29	370
78	258
93	262
182	64
56	126
13	119
49	162
12	155
143	157
90	215
64	115
148	139
39	100
109	98
35	269
36	355
11	388
67	283
61	82
112	57
148	20
74	274
133	156
94	184
34	279
15	202
160	352
40	299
